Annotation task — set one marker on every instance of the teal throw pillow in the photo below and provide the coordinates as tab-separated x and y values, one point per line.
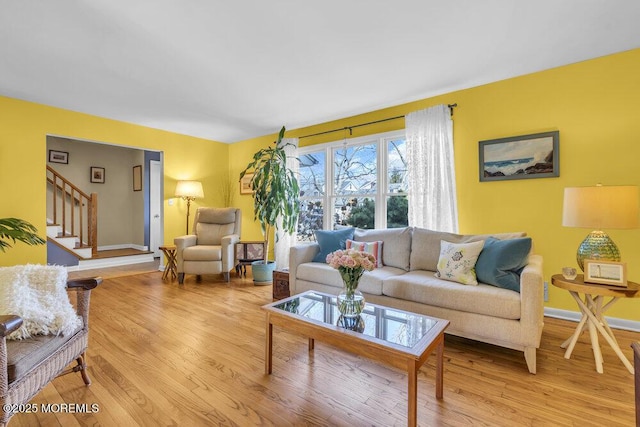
501	262
331	240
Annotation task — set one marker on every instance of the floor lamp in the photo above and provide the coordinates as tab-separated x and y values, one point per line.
597	208
189	190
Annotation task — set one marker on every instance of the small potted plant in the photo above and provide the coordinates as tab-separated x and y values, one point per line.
14	229
275	195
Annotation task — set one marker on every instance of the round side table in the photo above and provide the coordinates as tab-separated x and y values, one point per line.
170	268
592	306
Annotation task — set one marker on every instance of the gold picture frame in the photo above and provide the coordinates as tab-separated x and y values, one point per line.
245	183
605	272
137	178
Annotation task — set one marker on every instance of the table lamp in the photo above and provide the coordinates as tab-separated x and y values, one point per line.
189	190
597	208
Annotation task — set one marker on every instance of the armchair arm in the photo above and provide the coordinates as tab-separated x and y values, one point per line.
86	284
9	323
83	288
181	243
228	251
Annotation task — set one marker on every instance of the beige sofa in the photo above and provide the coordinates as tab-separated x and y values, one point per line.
407	281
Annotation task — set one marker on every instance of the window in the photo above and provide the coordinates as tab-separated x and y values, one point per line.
362	183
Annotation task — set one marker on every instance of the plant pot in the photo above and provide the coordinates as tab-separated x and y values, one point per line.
262	273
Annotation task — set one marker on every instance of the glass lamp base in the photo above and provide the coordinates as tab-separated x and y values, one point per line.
597	245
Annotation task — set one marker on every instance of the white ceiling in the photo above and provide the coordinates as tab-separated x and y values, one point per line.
232	70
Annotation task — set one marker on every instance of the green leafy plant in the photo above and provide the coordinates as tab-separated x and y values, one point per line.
275	190
14	229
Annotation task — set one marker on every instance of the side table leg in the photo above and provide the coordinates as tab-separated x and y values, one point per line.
595	345
594	321
570	343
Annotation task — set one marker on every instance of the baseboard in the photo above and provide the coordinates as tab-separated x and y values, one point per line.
113	262
123	246
574	316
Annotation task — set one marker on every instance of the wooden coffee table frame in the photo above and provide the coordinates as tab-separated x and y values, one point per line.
407	359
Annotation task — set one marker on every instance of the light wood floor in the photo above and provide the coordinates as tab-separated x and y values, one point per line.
161	354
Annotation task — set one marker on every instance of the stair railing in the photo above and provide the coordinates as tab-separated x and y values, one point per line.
73	210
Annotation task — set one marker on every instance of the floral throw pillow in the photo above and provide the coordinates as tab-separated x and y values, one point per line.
457	261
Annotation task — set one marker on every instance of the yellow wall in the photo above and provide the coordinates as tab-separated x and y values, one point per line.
23	130
594	104
596	107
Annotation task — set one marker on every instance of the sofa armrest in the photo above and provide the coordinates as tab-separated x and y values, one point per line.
181	243
299	254
532	301
228	254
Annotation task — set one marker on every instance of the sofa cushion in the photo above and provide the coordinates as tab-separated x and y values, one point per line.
331	240
500	262
373	248
457	261
424	287
425	245
370	282
397	244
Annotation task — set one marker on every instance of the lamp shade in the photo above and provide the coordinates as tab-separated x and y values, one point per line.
601	207
597	208
189	189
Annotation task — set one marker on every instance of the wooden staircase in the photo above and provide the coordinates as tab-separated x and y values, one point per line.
72	216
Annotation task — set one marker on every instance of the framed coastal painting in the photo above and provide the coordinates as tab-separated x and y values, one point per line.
520	157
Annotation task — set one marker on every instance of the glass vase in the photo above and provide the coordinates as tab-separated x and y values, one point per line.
350	302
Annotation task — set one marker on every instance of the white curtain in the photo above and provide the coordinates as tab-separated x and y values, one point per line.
285	241
431	173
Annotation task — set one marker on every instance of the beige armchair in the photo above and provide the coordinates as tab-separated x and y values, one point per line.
210	250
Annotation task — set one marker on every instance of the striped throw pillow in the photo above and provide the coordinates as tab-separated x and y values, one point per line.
373	248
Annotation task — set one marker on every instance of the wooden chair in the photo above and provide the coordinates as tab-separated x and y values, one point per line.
636	364
28	365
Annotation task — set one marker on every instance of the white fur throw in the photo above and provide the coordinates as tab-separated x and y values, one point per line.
37	293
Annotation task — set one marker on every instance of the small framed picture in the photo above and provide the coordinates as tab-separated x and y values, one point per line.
605	272
58	157
137	178
245	183
97	175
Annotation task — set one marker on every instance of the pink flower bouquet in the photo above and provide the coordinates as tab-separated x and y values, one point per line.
351	264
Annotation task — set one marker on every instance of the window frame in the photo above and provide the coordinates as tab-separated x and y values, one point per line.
382	193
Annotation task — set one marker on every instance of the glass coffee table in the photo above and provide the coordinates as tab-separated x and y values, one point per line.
398	338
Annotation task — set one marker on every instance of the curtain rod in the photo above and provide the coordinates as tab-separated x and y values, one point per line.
350	128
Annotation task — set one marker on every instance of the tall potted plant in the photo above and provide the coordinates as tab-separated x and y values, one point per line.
14	229
275	194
